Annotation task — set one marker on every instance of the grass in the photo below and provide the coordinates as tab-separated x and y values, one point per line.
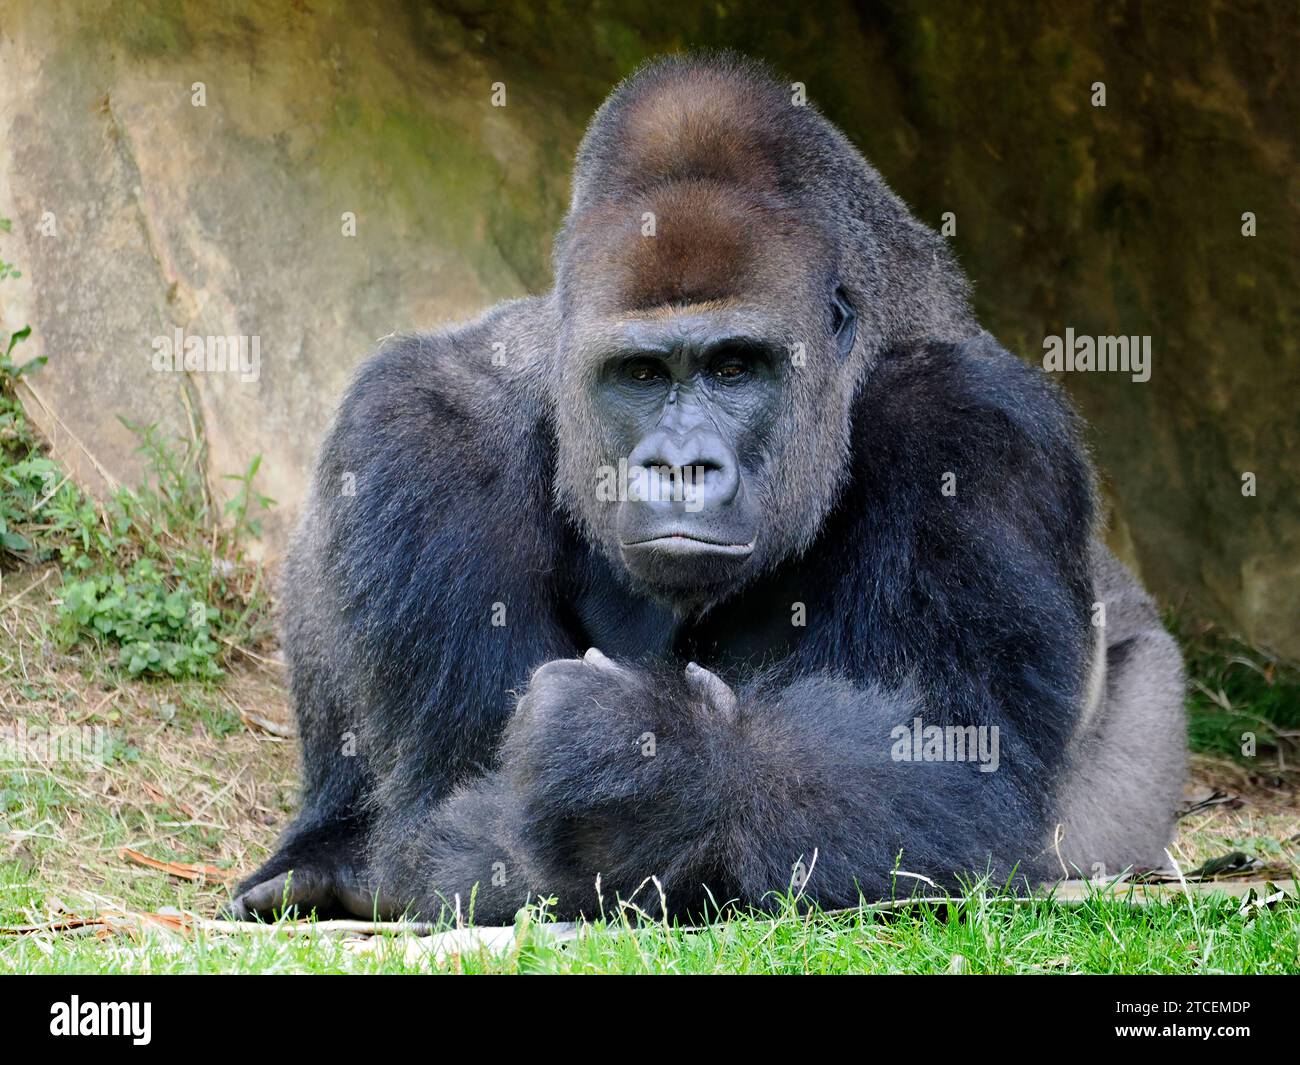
982	934
1243	702
138	622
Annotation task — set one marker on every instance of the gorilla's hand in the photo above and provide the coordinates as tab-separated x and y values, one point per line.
318	867
329	890
589	730
604	761
551	682
578	729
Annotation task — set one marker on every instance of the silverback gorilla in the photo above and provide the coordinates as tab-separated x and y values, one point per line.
743	559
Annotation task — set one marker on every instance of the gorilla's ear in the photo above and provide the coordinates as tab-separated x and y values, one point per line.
844	321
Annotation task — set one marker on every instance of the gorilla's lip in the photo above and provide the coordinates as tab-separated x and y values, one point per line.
688	543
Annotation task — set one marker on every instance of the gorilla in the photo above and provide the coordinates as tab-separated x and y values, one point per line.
742	563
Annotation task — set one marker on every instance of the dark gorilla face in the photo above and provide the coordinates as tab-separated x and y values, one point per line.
706	473
690	406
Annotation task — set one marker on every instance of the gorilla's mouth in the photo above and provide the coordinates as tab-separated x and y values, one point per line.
683	543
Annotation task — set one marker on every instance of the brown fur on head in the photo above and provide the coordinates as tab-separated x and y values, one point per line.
710	242
701	181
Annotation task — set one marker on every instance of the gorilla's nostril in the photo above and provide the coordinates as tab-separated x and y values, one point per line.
698	467
694	473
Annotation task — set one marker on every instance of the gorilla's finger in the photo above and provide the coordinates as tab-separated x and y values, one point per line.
596	657
559	674
301	888
267	896
712	689
234	910
360	902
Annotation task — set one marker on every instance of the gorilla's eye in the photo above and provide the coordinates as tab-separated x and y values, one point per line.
736	361
844	321
642	371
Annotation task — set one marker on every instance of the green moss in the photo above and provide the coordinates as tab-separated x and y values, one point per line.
150	30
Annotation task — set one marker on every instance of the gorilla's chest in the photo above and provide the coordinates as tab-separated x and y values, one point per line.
763	626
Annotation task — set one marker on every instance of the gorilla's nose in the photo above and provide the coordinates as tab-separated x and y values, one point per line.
696	468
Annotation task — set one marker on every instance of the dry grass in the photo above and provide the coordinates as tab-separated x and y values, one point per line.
1259	814
188	779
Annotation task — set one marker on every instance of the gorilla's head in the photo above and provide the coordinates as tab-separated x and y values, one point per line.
723	285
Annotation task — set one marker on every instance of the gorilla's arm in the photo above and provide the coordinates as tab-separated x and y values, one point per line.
404	632
629	773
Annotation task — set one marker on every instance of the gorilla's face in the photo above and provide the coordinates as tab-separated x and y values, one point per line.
715	431
689	403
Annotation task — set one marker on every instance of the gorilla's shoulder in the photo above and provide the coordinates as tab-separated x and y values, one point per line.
972	418
926	386
461	409
436	429
454	385
438	439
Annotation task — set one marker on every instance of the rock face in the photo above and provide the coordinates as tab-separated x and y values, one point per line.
180	167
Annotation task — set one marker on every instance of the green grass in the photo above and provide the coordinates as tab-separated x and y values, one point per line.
157	574
1240	697
982	934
